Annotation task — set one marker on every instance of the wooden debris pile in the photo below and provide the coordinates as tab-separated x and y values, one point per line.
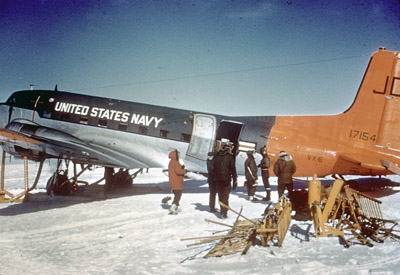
354	217
242	234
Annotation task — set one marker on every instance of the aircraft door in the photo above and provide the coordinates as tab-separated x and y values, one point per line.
230	130
203	136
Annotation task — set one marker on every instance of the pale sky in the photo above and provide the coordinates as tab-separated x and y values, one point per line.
231	57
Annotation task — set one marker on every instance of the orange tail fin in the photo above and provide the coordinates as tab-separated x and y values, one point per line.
375	113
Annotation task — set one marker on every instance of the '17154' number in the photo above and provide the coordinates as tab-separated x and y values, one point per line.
356	134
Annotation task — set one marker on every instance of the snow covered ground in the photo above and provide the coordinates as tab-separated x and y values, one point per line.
136	235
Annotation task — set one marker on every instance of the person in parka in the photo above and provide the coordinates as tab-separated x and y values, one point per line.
264	165
224	172
176	173
250	172
284	169
211	181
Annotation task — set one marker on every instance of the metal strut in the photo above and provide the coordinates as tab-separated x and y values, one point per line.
6	196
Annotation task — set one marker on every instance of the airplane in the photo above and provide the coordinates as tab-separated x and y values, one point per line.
90	130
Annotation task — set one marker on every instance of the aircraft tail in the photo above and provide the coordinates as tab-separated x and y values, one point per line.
375	113
363	140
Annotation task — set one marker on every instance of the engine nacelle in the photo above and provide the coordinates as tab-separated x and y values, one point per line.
41	148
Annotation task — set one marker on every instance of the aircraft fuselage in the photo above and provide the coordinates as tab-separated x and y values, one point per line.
139	135
363	140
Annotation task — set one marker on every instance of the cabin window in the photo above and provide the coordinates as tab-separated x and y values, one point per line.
142	130
123	127
396	86
83	120
102	123
185	137
164	133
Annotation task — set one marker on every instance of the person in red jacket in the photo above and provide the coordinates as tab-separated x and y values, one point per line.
176	173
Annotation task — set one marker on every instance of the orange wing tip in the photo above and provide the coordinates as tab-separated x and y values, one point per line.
391	166
11	136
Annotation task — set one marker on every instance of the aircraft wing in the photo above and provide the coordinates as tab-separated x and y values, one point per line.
366	161
391	166
38	143
373	162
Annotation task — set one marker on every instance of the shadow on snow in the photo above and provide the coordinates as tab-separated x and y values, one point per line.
376	188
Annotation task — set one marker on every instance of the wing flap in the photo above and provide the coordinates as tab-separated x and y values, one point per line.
365	161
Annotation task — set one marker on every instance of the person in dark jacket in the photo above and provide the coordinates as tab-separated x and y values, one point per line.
211	182
224	172
250	172
176	173
284	169
264	165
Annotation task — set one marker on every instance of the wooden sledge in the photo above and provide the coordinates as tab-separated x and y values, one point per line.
354	217
242	233
275	224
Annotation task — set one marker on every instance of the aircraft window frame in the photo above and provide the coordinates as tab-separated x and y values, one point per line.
84	120
102	123
384	90
164	133
186	137
143	130
123	127
395	86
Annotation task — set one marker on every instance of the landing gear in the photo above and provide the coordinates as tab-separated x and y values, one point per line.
60	184
120	180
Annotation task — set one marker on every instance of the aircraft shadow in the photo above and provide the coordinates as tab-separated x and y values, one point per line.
42	202
37	202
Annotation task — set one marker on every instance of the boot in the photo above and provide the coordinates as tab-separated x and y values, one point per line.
268	196
173	209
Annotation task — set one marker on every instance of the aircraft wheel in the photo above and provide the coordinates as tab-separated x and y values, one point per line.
55	185
50	186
